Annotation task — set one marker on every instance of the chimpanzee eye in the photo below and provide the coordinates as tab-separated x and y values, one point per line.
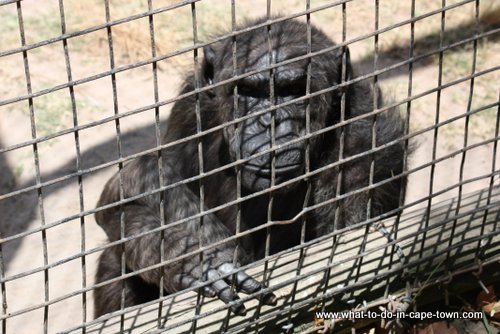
296	88
244	90
252	91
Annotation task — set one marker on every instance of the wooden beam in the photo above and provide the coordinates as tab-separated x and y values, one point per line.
455	241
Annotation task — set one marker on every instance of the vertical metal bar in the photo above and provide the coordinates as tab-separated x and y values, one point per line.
480	250
37	166
375	106
466	136
200	153
270	62
436	129
236	114
119	150
4	291
307	160
338	190
154	67
308	125
78	160
407	141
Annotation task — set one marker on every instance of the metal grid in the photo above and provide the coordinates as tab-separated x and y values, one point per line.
487	207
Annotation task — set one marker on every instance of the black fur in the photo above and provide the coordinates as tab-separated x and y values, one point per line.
248	138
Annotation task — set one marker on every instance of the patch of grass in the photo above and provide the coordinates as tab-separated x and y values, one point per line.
22	165
459	65
18	171
42	27
53	112
482	124
131	40
36	29
9	31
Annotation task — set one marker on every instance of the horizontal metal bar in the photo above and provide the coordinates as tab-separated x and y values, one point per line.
231	165
235	33
241	119
8	2
95	28
269	224
298	277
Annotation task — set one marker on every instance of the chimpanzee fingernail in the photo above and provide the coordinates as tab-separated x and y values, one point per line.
209	292
269	299
239	309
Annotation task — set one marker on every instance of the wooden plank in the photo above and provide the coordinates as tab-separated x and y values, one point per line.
451	243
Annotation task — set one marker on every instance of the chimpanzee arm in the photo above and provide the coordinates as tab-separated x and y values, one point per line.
143	214
355	177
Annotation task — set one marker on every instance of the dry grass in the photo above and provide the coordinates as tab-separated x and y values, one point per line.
173	31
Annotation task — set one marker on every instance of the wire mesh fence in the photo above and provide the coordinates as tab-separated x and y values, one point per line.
232	166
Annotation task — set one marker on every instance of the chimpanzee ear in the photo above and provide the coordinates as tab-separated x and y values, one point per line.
339	57
208	64
343	73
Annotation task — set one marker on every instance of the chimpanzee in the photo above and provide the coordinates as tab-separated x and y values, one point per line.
282	152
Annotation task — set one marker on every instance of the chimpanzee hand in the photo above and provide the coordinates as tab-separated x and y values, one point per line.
215	269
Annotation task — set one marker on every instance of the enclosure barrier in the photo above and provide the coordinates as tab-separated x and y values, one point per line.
71	120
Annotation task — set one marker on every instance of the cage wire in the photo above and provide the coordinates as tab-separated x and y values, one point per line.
443	230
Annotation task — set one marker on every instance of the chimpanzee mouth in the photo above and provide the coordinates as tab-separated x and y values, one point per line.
279	170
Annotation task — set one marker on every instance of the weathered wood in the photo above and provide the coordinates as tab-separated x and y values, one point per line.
453	242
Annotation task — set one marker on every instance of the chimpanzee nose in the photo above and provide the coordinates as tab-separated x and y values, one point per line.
266	119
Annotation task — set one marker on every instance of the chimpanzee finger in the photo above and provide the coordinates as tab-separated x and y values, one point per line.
243	282
208	291
225	294
247	283
184	281
269	298
187	281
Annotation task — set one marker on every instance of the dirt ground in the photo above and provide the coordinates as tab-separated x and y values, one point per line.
22	213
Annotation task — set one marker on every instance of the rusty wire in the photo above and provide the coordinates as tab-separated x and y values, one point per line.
393	240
